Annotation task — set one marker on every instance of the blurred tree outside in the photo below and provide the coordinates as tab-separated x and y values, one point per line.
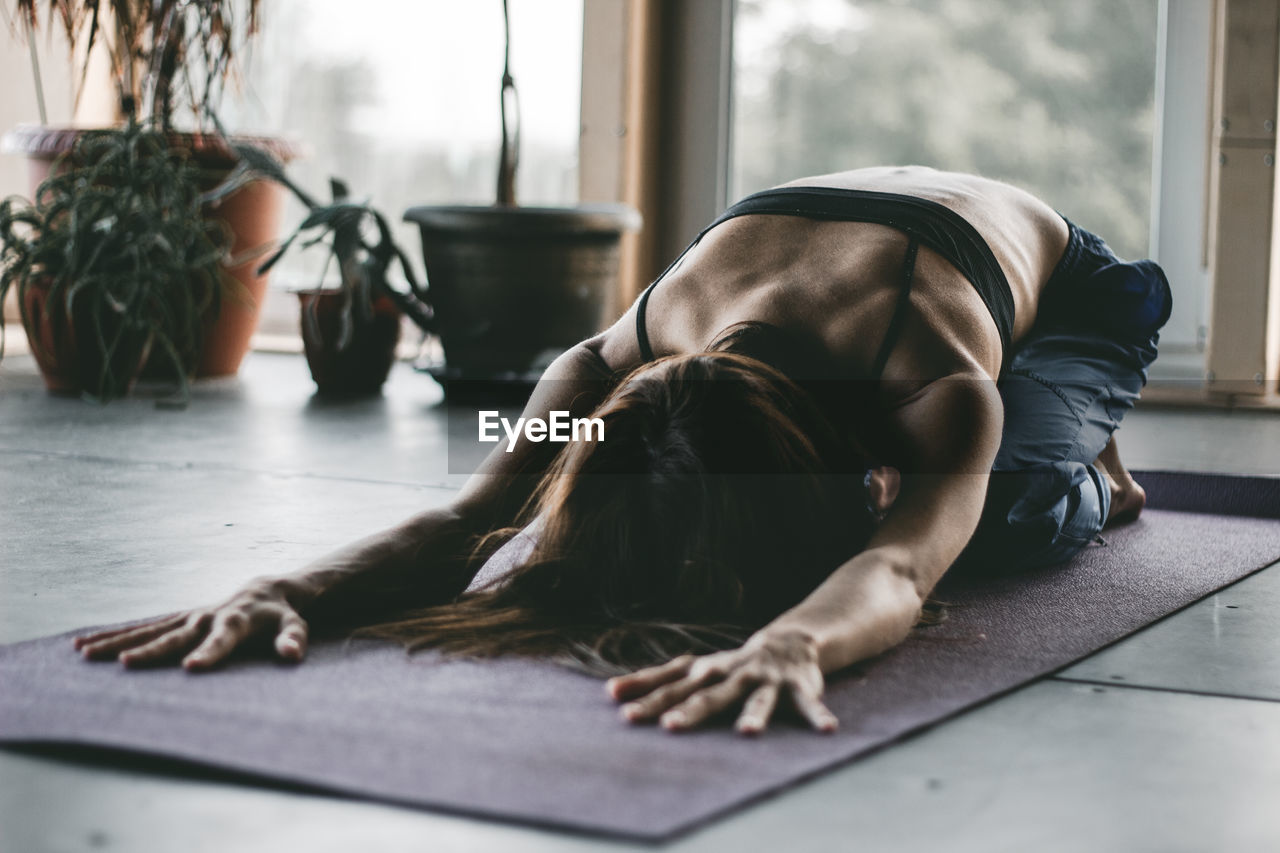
1055	97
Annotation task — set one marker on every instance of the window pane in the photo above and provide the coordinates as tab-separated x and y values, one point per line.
1055	97
401	100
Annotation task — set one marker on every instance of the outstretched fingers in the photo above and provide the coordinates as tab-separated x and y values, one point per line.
643	681
107	645
758	709
690	691
661	700
111	633
813	709
228	630
169	645
291	641
203	638
705	703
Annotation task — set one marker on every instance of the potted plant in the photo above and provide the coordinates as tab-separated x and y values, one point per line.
172	57
350	331
112	262
512	286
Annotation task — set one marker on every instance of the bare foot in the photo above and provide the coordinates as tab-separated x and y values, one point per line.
1127	497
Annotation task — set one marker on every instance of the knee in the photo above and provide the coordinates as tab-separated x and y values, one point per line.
1138	299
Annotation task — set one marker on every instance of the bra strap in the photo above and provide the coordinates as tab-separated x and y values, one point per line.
642	334
899	311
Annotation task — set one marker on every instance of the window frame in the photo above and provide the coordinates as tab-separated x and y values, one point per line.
698	86
1180	180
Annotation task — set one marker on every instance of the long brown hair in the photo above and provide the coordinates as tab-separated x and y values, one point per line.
720	496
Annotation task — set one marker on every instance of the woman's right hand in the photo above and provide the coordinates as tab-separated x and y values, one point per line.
204	638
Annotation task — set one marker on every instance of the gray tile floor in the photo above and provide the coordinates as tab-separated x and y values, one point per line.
1169	740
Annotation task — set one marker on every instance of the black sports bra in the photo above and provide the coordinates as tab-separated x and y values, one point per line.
923	221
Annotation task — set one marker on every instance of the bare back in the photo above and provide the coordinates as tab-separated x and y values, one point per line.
839	281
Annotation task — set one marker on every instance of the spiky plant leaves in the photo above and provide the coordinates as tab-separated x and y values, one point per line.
118	242
158	49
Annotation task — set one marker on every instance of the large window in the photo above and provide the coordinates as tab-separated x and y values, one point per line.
1056	97
400	99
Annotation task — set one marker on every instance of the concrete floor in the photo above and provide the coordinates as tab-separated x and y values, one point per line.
1169	740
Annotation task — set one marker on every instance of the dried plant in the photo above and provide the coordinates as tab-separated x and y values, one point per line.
162	52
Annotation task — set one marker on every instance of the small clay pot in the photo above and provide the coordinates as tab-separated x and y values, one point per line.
362	366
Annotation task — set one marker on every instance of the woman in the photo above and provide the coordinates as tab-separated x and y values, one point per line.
843	387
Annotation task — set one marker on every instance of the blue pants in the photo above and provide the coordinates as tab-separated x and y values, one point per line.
1069	384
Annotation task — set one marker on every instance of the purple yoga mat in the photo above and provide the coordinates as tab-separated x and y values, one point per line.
530	742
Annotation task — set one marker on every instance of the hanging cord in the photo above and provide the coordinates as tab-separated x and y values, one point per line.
35	69
509	157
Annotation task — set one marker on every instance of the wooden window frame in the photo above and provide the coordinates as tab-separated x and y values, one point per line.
655	121
1243	347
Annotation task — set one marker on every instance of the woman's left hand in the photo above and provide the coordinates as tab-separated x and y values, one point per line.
687	691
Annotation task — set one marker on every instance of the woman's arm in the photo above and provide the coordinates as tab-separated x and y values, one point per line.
423	560
951	431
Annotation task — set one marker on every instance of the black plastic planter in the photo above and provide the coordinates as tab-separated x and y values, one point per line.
512	287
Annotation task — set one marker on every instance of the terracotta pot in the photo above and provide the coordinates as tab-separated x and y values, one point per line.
253	213
362	366
71	362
